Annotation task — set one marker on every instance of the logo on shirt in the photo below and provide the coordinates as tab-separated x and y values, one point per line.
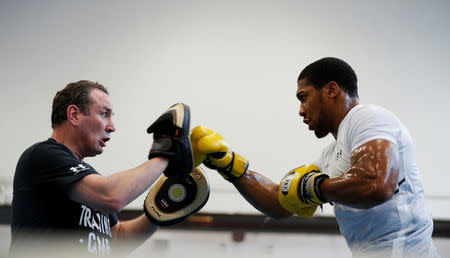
339	154
78	168
99	227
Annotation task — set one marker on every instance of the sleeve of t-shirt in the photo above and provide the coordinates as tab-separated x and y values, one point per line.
55	167
370	124
319	162
113	220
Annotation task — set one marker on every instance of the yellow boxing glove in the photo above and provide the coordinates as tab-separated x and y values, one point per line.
299	190
210	148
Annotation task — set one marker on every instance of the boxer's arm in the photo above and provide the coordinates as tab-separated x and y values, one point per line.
211	148
111	194
261	193
371	179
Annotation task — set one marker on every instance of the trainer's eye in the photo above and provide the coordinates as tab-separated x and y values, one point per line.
106	114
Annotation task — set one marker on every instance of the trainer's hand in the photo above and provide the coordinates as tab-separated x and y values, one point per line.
171	140
210	148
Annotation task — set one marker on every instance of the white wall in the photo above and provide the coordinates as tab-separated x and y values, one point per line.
236	64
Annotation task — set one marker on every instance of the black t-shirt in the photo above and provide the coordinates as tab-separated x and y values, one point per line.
43	215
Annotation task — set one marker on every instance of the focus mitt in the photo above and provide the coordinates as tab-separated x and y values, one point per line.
172	199
171	140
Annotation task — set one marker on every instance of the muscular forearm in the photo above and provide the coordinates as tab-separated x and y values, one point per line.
356	189
371	179
261	193
211	148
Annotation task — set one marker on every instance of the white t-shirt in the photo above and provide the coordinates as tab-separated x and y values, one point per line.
400	227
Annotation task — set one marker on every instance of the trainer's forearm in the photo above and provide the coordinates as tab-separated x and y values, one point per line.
128	185
130	234
111	194
261	193
138	229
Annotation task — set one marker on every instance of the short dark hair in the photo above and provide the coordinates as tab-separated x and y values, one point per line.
325	70
75	93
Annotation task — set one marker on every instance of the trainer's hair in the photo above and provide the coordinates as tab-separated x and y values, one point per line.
75	93
325	70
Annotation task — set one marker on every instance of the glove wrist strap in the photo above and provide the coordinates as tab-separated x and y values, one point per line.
235	169
308	190
317	183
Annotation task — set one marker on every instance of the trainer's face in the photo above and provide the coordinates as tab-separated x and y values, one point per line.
312	108
95	128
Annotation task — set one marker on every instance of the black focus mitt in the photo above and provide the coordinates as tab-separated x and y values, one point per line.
171	140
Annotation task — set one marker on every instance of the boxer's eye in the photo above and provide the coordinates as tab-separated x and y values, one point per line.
302	98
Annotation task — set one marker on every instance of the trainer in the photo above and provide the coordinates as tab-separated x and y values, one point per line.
369	172
62	206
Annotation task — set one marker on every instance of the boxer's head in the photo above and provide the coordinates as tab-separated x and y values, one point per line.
328	69
323	86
